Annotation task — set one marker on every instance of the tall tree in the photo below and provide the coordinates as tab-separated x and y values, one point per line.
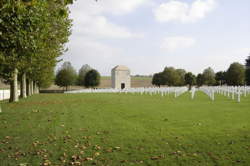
190	79
92	78
171	76
247	74
209	76
82	73
66	75
236	74
158	79
199	80
220	77
30	29
180	77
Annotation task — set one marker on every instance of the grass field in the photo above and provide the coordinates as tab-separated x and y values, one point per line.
125	129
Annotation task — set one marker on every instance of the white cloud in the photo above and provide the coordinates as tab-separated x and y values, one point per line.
87	51
175	43
89	20
101	27
108	6
121	7
183	12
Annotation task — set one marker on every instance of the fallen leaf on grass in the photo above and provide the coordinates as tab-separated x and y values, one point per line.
23	164
35	111
109	150
46	163
124	161
97	154
97	147
88	159
155	158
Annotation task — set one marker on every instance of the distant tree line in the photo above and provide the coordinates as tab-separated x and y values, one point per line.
32	37
236	74
138	75
67	76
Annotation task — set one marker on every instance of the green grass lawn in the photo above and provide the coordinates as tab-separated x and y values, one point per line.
125	129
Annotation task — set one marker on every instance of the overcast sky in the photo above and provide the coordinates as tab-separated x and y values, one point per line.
147	35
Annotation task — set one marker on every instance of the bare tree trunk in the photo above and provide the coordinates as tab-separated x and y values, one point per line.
28	87
14	87
34	87
36	91
31	87
23	86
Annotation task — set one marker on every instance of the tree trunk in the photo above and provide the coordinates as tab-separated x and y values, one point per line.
36	91
31	87
28	87
23	86
34	87
14	87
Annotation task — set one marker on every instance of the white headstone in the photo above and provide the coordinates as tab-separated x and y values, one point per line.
238	95
245	91
232	94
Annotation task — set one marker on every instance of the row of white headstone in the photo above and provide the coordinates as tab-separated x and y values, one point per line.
233	92
4	94
177	91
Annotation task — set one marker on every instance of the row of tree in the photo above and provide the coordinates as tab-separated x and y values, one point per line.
32	35
237	74
67	76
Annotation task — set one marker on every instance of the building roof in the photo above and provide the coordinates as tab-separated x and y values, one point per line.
120	67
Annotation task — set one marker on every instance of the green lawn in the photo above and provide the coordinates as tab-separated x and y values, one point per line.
125	129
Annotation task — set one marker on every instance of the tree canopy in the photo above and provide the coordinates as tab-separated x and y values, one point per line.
82	73
190	79
32	35
236	74
247	73
209	76
92	78
199	80
158	79
220	78
66	75
174	77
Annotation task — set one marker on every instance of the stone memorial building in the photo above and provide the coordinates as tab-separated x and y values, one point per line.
121	77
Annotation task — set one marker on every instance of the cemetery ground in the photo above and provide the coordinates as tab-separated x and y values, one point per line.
125	129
